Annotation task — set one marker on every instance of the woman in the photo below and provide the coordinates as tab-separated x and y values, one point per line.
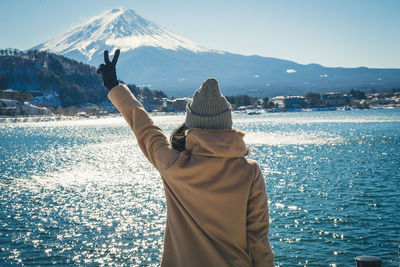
217	209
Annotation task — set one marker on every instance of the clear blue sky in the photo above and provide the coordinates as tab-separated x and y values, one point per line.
347	33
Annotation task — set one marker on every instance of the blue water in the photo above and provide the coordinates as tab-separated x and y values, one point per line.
81	192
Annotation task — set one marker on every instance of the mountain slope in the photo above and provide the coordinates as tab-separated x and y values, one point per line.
153	56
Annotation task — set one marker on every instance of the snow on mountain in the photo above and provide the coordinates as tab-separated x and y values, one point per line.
117	28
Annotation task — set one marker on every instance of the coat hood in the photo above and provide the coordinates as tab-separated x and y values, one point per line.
216	143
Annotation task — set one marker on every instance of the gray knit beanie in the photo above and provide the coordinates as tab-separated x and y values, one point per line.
208	108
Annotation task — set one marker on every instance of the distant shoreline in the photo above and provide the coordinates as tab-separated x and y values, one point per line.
19	119
28	119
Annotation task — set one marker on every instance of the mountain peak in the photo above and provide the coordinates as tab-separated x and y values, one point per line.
119	10
116	28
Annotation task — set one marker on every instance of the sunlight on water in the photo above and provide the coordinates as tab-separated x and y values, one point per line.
299	138
81	192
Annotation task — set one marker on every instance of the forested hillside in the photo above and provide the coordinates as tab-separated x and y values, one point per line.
76	83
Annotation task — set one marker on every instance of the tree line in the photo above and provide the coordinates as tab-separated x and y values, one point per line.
312	99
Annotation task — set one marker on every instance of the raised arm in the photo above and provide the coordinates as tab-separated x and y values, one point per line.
258	223
151	139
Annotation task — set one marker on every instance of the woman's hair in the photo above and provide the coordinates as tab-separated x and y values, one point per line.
178	138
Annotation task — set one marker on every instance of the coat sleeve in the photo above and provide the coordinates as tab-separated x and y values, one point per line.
150	138
258	223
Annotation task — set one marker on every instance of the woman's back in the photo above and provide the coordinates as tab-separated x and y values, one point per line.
207	190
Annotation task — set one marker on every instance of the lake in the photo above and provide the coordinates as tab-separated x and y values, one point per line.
81	192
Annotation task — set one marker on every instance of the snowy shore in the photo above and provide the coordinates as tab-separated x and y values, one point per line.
19	119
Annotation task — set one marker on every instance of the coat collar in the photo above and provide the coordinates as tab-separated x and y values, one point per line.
216	143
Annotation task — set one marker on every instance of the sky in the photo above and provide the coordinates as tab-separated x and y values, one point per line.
333	33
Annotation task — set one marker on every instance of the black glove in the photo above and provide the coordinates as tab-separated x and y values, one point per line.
107	70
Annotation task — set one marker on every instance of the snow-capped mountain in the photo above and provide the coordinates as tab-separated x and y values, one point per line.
156	57
117	28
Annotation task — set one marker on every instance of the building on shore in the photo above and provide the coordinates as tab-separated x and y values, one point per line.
152	104
14	103
8	94
19	96
180	104
175	105
9	107
289	102
30	109
168	105
336	99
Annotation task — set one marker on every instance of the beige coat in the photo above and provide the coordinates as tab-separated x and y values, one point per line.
217	209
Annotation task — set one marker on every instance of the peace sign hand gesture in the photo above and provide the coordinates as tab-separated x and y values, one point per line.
108	71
